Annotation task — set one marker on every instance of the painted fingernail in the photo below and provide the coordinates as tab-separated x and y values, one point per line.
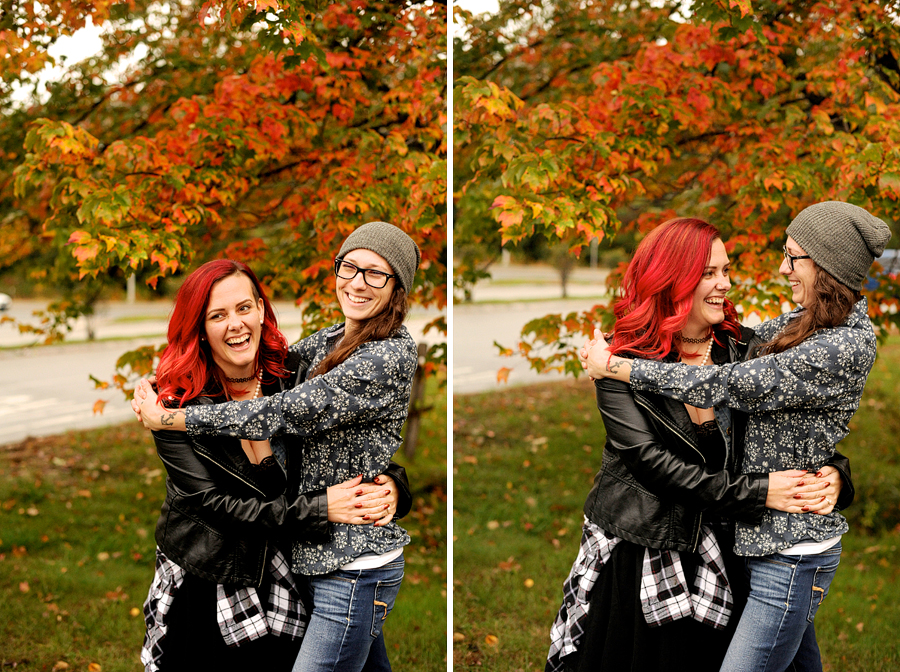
358	506
365	517
819	474
805	508
798	497
358	493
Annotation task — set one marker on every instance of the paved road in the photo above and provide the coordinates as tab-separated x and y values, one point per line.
47	390
475	328
500	308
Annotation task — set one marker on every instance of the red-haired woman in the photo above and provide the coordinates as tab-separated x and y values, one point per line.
350	409
655	580
223	596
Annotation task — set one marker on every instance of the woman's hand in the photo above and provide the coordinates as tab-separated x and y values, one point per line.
150	413
357	503
797	491
599	362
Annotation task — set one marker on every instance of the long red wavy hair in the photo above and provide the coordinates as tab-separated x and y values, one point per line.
657	290
186	368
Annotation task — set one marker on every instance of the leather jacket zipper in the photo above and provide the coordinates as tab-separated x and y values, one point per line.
231	471
677	431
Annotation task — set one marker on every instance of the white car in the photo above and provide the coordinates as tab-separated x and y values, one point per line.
5	301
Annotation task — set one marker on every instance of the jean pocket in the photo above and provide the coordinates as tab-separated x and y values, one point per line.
385	595
821	583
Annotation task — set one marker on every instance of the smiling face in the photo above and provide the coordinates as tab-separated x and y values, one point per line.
359	301
232	325
802	277
708	307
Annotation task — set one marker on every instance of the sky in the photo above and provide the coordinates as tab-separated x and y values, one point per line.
74	48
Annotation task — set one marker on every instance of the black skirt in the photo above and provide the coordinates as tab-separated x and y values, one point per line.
194	641
618	639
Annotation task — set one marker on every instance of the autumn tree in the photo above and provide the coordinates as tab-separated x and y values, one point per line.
596	119
261	131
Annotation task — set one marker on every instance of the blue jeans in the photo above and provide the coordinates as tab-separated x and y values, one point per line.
776	631
349	610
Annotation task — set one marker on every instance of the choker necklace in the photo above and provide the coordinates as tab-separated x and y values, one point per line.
249	378
685	339
258	378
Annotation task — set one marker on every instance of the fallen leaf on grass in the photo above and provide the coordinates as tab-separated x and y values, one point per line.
60	665
134	612
459	637
509	565
24	587
529	583
492	640
94	667
859	627
117	595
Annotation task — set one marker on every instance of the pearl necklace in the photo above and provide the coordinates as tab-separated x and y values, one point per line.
259	377
707	353
708	350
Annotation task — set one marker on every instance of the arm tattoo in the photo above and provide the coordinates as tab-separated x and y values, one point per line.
168	419
613	367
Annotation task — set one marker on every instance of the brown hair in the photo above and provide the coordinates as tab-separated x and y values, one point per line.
834	303
376	328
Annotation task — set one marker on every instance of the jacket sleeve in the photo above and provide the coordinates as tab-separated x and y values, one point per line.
848	492
374	382
196	489
666	474
404	494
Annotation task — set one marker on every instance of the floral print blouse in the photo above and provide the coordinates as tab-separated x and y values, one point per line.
351	419
800	403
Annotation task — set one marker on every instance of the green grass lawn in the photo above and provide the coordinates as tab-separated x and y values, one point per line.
524	461
77	518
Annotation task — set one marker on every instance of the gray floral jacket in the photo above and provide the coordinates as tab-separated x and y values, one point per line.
351	418
800	403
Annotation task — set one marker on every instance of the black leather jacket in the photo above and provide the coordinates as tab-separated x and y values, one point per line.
218	522
653	488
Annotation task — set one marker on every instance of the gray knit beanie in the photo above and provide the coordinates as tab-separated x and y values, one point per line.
842	238
397	248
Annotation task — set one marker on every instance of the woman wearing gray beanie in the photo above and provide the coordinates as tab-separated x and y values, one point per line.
350	408
800	393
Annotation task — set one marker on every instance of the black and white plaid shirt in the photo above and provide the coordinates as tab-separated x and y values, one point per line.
239	609
665	595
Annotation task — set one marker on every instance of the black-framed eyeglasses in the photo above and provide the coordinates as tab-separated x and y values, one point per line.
791	258
371	276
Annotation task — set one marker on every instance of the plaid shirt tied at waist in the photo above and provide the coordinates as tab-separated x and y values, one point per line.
240	613
665	595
